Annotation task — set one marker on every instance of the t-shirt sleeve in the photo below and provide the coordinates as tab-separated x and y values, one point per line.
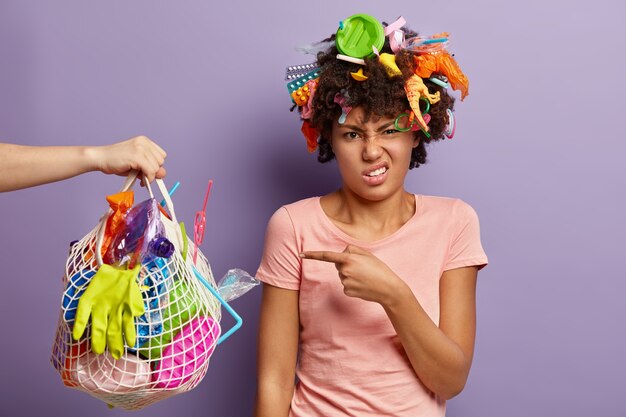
280	265
465	247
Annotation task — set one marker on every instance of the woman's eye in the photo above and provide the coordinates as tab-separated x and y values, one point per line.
351	135
391	132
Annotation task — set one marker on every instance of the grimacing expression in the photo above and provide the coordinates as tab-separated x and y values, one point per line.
372	155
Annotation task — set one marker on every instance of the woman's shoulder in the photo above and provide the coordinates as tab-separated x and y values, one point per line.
449	206
306	204
302	209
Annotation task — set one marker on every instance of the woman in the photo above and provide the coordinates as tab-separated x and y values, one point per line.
369	291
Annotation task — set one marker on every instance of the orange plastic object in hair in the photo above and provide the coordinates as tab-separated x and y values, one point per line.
442	63
120	203
311	134
415	89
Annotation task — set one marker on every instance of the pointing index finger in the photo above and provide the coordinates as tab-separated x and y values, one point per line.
324	256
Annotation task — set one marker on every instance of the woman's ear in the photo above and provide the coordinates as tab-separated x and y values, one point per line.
416	141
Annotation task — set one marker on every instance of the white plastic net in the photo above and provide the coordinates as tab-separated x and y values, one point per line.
175	336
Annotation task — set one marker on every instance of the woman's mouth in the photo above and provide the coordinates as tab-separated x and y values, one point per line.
376	176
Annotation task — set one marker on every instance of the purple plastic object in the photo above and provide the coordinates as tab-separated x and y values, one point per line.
161	247
142	235
190	349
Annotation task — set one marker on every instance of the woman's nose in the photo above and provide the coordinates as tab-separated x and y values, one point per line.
371	149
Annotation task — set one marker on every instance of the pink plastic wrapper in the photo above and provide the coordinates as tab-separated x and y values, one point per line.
189	351
104	374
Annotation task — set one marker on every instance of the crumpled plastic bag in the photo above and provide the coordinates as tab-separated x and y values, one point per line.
235	283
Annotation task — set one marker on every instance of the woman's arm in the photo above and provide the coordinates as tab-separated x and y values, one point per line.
279	327
27	166
441	356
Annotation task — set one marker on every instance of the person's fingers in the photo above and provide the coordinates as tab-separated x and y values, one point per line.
123	174
324	256
161	173
149	166
154	146
149	146
157	155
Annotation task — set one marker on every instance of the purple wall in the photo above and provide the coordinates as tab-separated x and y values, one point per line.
539	154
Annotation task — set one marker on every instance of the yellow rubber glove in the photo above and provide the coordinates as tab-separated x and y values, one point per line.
113	300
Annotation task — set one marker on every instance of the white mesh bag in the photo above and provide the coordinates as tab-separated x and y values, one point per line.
175	336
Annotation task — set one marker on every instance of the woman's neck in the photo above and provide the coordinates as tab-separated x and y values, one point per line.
367	219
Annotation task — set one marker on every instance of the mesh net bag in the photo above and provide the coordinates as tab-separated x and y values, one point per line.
175	335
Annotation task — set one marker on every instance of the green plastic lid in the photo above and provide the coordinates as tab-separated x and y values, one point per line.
357	34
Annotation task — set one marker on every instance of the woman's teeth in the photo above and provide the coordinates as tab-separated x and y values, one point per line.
378	172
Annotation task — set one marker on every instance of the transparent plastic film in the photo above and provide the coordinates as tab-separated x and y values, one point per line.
235	283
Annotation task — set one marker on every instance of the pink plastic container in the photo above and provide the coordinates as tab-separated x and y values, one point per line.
190	349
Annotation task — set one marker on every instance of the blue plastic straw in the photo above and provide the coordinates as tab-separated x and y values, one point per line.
437	40
171	192
225	304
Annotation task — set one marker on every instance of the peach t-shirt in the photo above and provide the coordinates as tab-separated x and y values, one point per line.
351	361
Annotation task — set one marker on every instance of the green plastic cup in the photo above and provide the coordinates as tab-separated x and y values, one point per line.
357	34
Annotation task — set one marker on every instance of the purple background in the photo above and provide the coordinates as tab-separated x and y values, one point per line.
538	153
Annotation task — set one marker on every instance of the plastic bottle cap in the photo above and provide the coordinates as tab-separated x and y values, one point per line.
357	36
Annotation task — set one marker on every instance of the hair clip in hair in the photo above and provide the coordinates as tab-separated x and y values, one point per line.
307	108
415	127
299	83
297	71
440	80
442	63
426	45
351	59
416	90
341	98
395	35
359	76
389	62
311	134
451	127
302	95
410	123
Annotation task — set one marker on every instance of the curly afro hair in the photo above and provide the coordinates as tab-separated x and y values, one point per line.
379	95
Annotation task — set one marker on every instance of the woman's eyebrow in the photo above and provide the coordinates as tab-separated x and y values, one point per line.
386	126
359	129
352	127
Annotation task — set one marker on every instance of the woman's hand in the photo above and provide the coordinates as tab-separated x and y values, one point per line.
362	274
138	153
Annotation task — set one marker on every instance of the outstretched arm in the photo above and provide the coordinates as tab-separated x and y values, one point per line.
27	166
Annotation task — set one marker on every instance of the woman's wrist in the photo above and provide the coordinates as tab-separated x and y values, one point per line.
90	155
397	293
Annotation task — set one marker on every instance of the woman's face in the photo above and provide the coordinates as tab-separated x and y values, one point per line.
373	156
